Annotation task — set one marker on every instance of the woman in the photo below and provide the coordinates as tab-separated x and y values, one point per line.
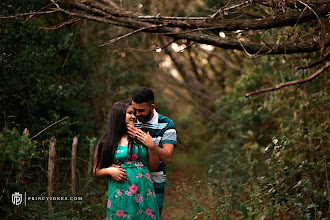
130	191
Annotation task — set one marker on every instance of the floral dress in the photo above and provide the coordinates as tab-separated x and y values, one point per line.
135	198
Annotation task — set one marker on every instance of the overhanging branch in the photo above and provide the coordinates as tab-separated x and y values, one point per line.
291	83
203	22
191	29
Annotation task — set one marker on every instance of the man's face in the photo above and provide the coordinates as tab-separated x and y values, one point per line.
143	111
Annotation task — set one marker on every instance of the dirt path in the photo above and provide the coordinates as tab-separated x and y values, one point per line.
180	193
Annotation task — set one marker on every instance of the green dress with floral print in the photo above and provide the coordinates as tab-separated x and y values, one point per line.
134	198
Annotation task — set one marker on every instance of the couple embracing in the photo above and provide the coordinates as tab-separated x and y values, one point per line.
137	144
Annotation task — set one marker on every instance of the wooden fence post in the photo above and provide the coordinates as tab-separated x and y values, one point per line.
73	170
73	165
90	162
91	158
51	168
20	175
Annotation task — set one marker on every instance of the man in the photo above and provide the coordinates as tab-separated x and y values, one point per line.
162	131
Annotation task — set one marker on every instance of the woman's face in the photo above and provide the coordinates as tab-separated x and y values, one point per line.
130	115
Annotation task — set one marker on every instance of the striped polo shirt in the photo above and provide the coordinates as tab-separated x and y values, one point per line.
162	131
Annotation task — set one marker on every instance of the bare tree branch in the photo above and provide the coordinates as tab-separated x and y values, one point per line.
230	8
49	127
188	75
31	13
311	10
193	64
177	27
187	86
280	20
74	20
321	60
293	3
184	97
103	13
226	61
121	37
281	85
152	50
111	3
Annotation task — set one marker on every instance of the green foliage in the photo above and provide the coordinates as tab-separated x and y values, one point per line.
17	155
268	177
37	89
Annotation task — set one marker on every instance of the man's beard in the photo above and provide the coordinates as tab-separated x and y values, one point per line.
144	118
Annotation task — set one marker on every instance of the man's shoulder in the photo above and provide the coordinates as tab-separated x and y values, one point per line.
167	120
164	119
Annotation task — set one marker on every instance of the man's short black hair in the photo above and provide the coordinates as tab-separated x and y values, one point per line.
143	94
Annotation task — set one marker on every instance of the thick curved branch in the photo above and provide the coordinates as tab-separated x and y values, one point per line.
97	11
291	83
253	48
206	22
238	24
250	47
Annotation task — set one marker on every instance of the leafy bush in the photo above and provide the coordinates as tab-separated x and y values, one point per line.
272	151
17	156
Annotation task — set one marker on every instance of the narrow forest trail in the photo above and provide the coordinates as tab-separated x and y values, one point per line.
181	193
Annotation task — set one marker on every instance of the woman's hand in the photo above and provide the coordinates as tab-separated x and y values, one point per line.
145	138
117	173
132	131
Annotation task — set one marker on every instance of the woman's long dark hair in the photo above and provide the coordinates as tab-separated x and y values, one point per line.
115	129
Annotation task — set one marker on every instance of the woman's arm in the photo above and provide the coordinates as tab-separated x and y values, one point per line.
146	139
114	171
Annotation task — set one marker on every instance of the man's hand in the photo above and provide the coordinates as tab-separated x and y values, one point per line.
132	131
117	173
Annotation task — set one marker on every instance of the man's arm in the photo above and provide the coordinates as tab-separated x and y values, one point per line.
169	140
165	154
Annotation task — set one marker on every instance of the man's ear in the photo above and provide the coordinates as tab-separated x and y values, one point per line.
153	106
